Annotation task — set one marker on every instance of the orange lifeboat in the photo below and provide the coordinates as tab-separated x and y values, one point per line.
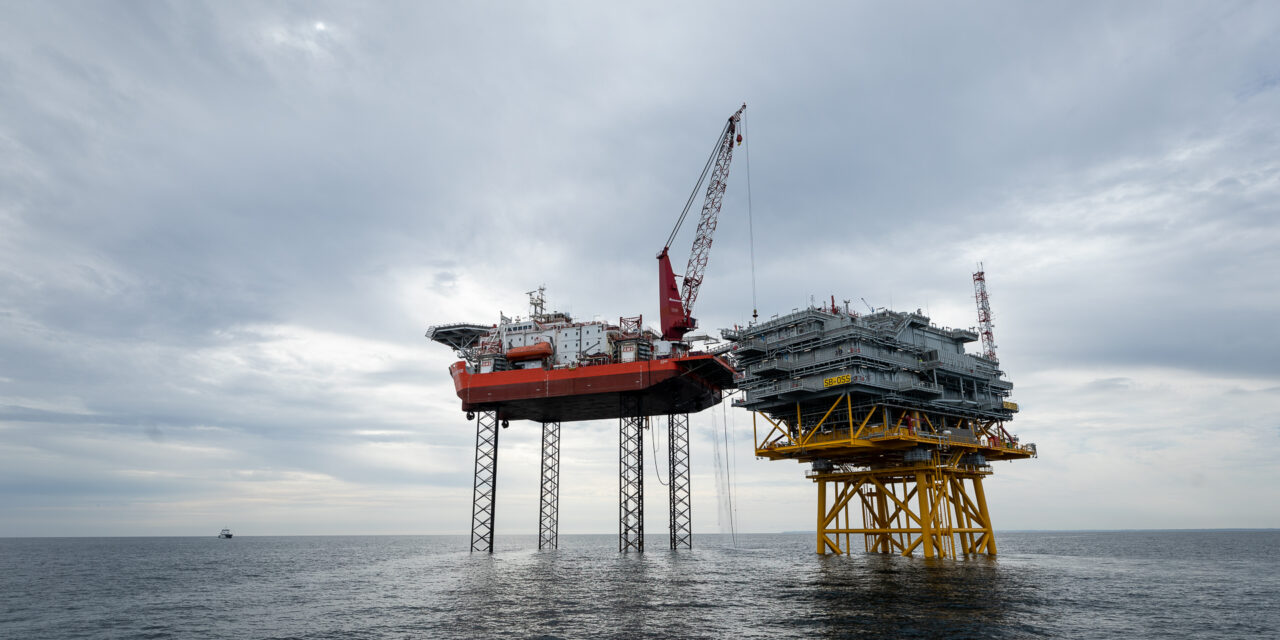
531	352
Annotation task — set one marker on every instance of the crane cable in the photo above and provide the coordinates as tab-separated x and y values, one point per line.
728	477
722	507
751	230
657	468
698	187
733	474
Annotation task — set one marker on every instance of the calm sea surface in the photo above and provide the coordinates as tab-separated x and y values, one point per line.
1192	584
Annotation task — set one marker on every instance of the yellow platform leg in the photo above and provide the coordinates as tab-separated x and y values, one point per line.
925	507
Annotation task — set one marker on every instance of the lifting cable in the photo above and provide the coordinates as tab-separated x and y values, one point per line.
751	230
722	510
697	187
733	471
657	468
728	473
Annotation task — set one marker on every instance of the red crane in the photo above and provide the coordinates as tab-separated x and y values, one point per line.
675	306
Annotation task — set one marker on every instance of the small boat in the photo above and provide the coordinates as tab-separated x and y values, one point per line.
225	533
535	351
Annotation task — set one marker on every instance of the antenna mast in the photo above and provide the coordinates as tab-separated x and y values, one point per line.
538	303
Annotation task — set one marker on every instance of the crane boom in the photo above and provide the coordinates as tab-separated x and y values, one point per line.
676	306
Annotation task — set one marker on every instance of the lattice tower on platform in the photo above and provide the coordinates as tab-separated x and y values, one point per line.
984	314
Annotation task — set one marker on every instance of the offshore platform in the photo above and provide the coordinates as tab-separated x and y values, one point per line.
549	368
893	417
889	410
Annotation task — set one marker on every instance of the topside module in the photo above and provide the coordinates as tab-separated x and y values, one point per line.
893	416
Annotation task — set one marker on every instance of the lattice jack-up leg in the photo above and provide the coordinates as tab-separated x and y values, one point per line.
486	481
678	467
631	426
549	515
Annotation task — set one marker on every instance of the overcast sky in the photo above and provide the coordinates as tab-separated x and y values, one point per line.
224	229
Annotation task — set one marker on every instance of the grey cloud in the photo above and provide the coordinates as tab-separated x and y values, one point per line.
177	179
1108	384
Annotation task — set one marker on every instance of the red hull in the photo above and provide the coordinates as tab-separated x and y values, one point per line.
673	385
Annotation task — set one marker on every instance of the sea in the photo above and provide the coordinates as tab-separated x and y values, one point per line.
1076	584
